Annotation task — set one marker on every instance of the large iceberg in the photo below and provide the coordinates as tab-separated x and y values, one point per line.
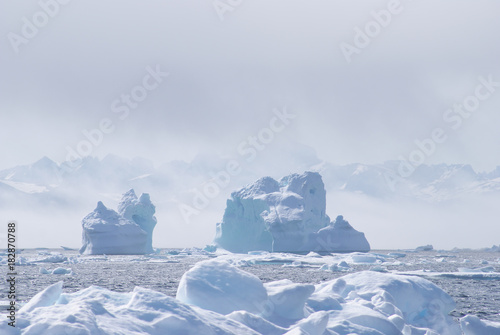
285	216
126	232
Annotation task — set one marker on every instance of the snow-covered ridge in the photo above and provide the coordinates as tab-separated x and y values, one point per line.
128	231
285	216
428	182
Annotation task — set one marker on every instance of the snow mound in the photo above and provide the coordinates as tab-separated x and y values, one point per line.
287	300
372	298
128	232
221	287
96	310
360	303
285	216
472	325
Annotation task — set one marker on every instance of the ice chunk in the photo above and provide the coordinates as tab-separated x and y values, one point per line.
130	231
56	271
396	254
378	268
53	258
340	237
257	323
421	303
61	271
285	216
315	324
296	331
360	316
342	266
427	247
472	325
44	271
287	301
364	259
474	270
20	261
47	297
220	287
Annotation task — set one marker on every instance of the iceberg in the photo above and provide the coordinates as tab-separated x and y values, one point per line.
285	216
126	232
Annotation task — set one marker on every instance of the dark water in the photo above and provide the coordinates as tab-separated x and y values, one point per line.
479	297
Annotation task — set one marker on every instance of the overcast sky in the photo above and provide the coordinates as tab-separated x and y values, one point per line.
226	77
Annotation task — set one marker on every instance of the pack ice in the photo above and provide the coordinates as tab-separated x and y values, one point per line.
126	232
217	298
285	216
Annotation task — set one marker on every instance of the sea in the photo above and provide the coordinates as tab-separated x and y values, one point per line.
471	278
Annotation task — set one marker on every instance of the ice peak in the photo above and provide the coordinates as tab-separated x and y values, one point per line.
308	184
100	207
128	198
263	185
340	223
45	161
145	198
130	193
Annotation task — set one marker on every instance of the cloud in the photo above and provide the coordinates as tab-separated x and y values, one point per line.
227	76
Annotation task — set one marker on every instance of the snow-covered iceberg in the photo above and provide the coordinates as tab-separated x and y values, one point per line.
285	216
126	232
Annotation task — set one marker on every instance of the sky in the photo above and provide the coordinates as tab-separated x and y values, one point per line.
230	67
361	82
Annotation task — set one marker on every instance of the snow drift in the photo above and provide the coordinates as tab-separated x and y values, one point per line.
128	231
285	216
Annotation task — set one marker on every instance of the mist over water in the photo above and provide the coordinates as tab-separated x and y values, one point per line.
190	198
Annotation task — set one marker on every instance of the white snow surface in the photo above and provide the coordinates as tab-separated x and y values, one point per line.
126	232
26	187
216	298
472	325
222	288
285	216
